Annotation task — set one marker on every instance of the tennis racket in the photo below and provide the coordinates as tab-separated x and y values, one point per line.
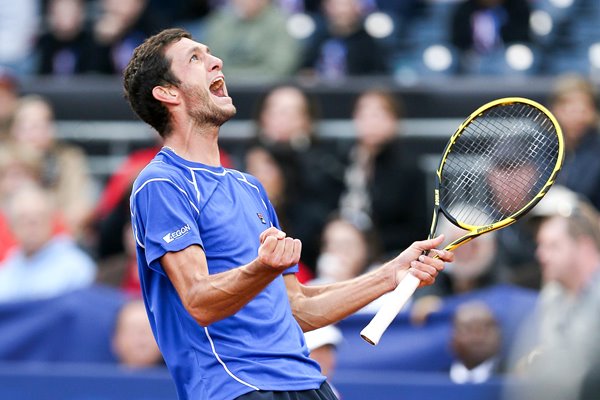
496	167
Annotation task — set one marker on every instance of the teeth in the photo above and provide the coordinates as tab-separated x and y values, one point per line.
217	84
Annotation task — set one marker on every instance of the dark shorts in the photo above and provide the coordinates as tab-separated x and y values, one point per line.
322	393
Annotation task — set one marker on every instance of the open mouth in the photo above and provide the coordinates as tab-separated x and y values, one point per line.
217	88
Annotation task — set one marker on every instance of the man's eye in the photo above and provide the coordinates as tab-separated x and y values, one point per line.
194	58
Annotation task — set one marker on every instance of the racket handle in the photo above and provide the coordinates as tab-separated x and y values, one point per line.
390	309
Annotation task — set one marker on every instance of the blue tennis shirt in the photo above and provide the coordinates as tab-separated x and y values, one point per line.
176	203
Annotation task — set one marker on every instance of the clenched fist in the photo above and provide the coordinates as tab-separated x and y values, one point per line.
278	251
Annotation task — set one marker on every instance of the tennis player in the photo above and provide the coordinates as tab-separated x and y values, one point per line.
217	274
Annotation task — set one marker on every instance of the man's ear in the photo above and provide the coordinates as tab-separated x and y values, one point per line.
166	94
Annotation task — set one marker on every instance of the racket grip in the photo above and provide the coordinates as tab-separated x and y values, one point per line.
390	309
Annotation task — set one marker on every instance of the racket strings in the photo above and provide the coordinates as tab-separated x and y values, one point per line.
498	164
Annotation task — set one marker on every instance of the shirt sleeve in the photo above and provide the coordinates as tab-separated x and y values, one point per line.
165	220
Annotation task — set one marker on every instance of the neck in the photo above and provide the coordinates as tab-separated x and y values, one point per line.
585	276
196	143
472	364
463	285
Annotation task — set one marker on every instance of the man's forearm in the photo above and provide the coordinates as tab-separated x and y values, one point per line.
317	306
221	295
209	298
212	297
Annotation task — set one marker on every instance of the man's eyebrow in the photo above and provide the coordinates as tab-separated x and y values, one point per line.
199	49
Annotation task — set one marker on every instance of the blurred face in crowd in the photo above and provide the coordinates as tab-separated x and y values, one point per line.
344	252
509	193
19	168
66	18
265	168
133	341
375	122
576	112
476	336
248	9
473	259
33	124
116	19
343	15
31	212
556	250
125	10
285	115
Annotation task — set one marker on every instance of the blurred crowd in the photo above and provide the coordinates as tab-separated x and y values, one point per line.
352	203
266	40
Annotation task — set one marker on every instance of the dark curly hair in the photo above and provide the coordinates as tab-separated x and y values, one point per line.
148	68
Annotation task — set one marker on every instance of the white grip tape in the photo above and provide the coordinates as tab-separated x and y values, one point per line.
390	309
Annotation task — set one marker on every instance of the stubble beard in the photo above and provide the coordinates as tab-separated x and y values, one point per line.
204	111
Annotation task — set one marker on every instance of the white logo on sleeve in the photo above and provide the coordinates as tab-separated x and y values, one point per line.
169	237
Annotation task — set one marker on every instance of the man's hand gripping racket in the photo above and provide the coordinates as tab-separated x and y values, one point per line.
496	167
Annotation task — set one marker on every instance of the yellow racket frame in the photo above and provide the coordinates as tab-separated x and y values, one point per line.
475	231
397	299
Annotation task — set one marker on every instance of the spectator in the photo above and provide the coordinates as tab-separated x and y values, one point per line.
120	269
43	265
261	163
133	342
64	166
252	39
568	309
480	27
573	102
19	167
9	98
111	212
389	203
312	168
19	22
346	251
340	46
516	242
120	28
64	47
476	343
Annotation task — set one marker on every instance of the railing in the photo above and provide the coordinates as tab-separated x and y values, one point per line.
107	143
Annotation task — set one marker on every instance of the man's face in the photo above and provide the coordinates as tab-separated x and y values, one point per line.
375	123
511	187
285	116
476	335
31	221
202	84
556	249
576	112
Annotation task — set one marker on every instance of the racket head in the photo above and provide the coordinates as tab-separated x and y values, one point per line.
497	166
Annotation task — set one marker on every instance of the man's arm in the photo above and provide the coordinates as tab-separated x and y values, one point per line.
317	306
210	298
